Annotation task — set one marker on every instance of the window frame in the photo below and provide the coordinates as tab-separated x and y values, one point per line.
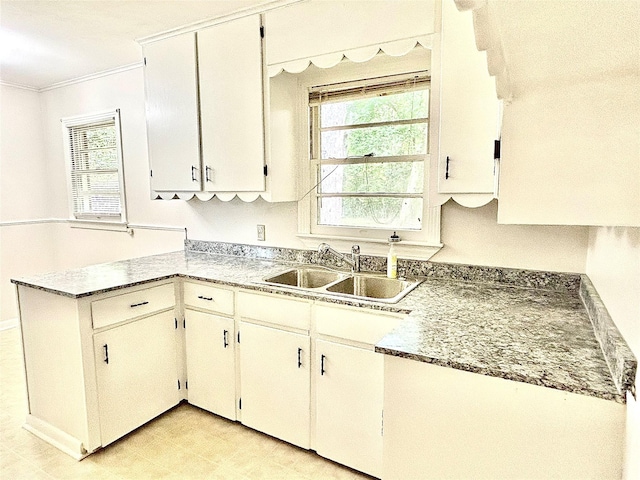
353	90
68	124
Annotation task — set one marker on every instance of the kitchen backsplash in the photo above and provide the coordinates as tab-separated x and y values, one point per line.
369	263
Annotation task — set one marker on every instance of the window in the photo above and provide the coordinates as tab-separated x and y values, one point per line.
94	160
368	145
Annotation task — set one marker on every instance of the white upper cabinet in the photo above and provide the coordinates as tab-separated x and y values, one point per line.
465	114
569	74
172	113
232	105
206	111
571	156
310	29
468	109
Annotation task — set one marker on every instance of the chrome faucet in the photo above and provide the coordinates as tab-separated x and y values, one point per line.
354	261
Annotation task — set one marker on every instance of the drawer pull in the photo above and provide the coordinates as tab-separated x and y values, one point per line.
134	305
322	370
208	299
299	357
225	341
106	353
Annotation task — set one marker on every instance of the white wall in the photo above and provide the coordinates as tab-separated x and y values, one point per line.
613	265
23	179
470	235
23	193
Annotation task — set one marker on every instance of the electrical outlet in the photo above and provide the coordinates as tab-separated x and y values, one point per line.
261	233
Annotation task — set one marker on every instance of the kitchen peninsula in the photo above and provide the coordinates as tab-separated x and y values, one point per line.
520	331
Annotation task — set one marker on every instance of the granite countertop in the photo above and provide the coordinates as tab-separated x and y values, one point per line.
532	335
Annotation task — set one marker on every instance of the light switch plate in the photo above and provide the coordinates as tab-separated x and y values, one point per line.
261	233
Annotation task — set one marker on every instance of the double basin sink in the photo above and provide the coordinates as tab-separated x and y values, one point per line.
366	286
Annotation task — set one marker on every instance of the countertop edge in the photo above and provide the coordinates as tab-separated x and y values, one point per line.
622	386
541	382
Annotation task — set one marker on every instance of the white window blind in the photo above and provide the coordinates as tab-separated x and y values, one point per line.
94	156
369	141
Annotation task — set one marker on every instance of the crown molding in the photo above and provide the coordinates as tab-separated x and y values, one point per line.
17	85
91	76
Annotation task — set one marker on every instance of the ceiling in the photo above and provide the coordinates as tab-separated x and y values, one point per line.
44	42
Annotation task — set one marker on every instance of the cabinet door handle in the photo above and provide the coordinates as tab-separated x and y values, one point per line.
134	305
446	172
193	174
208	299
207	177
299	357
322	370
106	353
225	341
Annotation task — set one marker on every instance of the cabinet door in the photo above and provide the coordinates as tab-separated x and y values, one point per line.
136	370
275	382
172	113
468	109
349	396
211	373
232	105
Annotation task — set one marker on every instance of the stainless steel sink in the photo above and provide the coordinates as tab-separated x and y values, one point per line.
306	277
359	285
374	287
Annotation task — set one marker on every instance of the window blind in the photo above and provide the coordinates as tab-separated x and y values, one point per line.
375	87
95	168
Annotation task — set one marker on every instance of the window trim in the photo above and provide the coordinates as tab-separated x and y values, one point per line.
417	244
345	91
68	123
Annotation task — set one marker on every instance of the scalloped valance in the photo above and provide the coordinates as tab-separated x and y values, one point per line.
396	48
205	196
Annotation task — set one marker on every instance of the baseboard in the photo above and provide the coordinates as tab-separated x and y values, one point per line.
56	437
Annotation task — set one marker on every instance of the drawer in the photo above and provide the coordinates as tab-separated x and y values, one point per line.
130	305
286	312
366	326
209	297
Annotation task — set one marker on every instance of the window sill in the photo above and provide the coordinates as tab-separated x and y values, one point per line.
372	246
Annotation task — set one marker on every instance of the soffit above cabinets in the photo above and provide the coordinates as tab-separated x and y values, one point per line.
299	35
531	45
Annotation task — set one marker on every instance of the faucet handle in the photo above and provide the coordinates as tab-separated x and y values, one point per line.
355	249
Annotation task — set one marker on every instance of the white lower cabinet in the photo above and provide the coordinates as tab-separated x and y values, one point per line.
349	394
440	422
136	372
211	366
275	382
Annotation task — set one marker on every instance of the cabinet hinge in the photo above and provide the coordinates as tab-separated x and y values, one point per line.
265	170
262	32
496	149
